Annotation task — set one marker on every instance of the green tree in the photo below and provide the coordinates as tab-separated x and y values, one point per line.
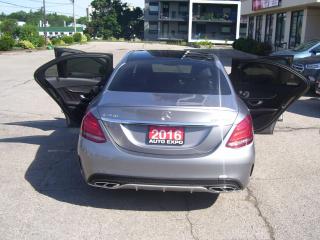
104	20
56	20
9	27
82	20
117	19
30	33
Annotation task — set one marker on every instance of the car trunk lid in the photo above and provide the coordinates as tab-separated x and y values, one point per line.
205	119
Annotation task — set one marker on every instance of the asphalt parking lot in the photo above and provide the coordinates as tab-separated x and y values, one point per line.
43	195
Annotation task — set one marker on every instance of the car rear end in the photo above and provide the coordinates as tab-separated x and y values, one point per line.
168	124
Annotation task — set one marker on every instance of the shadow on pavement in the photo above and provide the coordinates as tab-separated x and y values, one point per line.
309	107
55	173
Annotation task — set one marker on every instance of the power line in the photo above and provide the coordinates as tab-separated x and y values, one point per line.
26	7
58	3
17	5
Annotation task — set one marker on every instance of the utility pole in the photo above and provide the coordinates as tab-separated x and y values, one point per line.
44	24
74	18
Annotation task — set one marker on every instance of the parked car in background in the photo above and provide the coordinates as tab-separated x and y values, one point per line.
308	67
168	120
307	49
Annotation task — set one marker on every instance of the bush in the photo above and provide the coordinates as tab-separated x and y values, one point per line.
38	41
58	42
67	39
84	38
28	32
26	44
88	37
252	46
6	42
203	44
77	37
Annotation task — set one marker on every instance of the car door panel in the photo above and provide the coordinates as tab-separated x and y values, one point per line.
267	88
73	80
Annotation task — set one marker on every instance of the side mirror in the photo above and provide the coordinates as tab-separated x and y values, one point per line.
315	52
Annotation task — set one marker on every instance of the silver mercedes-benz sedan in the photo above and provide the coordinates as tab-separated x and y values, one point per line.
168	120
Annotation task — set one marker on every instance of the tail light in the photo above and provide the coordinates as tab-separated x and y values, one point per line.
91	129
242	135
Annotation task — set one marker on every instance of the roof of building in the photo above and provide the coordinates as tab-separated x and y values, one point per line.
60	29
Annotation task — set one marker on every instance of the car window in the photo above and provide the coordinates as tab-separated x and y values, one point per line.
305	46
89	68
78	67
171	76
266	75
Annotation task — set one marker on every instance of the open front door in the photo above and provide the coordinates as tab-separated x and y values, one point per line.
73	80
267	88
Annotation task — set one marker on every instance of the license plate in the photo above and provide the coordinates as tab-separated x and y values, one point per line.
160	135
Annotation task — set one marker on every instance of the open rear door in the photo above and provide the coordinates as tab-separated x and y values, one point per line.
73	80
267	88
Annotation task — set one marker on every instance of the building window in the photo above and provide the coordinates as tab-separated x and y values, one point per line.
269	29
153	27
280	28
153	8
257	35
251	26
182	28
183	9
295	28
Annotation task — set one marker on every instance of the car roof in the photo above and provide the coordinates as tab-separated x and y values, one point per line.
147	55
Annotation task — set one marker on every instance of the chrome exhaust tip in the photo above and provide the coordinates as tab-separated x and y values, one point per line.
108	185
223	188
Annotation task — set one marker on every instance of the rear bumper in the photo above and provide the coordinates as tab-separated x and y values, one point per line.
228	169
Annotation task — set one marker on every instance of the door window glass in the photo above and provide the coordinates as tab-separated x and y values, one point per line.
86	67
270	76
52	71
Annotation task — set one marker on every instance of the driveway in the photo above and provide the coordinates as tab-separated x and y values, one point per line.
43	195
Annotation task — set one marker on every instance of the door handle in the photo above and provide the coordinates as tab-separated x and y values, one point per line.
255	103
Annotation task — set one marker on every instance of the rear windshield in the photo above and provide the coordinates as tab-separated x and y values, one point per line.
171	76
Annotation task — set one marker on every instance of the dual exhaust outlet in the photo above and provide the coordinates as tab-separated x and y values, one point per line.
218	188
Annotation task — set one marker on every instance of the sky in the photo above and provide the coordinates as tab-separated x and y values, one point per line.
59	6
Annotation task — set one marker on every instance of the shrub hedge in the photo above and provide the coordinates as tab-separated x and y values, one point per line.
67	39
26	44
58	42
6	42
252	46
77	37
